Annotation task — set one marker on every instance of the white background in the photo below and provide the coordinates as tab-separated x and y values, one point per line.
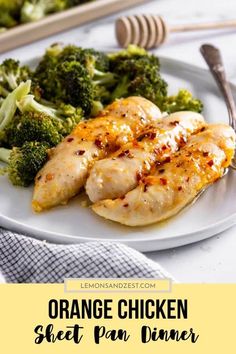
212	260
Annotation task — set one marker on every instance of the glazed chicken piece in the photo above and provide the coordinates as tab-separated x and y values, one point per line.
67	169
175	184
116	175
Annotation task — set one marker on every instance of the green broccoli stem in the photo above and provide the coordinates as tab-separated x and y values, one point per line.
96	108
12	79
5	155
101	78
29	104
3	92
9	105
121	89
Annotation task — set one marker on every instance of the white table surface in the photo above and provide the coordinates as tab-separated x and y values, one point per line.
212	260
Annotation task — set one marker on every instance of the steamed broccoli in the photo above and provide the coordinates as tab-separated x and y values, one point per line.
88	93
35	121
81	71
6	19
89	58
45	75
139	73
13	12
35	10
64	118
132	51
11	75
24	162
183	101
32	126
9	12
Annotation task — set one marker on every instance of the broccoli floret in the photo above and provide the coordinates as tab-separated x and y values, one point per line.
75	78
132	51
139	73
45	75
24	162
87	93
9	12
64	118
89	58
35	10
11	75
81	71
183	101
32	126
96	62
6	19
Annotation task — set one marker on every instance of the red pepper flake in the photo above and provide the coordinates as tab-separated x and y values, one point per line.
162	170
98	143
187	179
182	141
49	177
180	188
141	137
39	178
205	154
202	129
167	159
145	187
149	135
176	122
122	198
163	181
152	135
139	176
126	153
80	152
164	147
126	205
210	163
70	140
135	143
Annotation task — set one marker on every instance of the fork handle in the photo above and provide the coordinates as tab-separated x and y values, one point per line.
213	59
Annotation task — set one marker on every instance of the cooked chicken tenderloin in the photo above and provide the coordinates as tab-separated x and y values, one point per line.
116	175
66	171
175	184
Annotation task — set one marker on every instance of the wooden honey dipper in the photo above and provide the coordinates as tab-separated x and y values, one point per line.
150	31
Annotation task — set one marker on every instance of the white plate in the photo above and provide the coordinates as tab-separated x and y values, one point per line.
213	212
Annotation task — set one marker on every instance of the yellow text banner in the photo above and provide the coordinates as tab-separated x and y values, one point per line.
47	319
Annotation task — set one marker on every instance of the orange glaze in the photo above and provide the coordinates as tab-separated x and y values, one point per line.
174	184
91	140
116	175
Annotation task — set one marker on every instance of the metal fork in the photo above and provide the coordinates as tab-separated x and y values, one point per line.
214	60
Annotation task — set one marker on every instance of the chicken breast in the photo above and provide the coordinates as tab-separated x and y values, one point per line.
66	171
116	175
175	184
